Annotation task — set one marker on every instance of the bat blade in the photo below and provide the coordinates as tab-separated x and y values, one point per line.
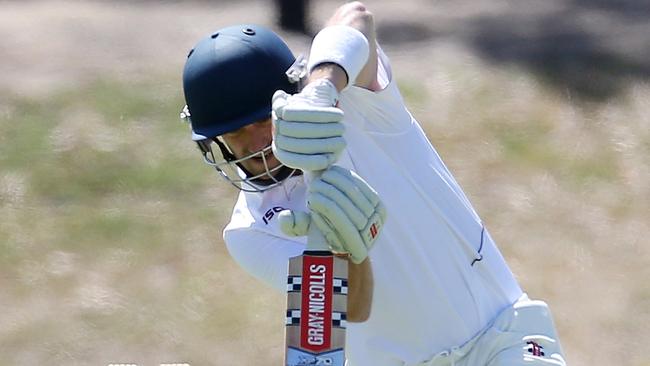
317	287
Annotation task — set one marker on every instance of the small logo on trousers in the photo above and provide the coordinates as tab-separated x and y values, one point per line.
535	349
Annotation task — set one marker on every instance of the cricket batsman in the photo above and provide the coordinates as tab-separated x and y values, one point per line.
427	284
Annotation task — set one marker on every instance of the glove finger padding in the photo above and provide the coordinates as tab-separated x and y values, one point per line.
331	145
337	228
308	113
308	133
294	223
315	104
305	162
347	210
333	240
305	107
353	186
308	130
356	215
279	99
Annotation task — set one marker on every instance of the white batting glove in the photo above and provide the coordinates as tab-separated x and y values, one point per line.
308	133
345	209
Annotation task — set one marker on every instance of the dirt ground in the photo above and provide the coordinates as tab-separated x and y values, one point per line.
579	243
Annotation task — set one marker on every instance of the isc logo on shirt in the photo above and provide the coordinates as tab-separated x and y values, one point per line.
270	213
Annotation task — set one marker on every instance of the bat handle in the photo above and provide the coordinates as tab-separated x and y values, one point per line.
315	239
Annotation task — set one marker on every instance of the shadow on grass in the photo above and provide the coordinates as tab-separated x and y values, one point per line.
595	65
396	32
628	8
588	49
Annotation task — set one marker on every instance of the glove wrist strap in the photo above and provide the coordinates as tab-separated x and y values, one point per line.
342	45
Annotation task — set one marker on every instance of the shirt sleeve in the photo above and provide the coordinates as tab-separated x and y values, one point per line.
384	71
262	255
377	112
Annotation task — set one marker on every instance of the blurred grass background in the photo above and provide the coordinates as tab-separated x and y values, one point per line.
110	225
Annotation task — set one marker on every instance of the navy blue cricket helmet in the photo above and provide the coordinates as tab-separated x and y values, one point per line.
230	77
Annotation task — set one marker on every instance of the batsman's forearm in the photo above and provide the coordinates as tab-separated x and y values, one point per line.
332	72
360	287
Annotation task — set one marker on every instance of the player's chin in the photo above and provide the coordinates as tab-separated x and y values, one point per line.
257	165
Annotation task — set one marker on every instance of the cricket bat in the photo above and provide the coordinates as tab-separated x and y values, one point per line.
317	288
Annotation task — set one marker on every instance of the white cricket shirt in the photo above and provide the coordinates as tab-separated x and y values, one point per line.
439	278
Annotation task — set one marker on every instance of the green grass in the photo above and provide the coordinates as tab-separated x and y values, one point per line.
530	147
69	188
84	171
23	133
414	91
527	144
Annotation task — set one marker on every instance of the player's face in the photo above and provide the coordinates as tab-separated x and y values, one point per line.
250	139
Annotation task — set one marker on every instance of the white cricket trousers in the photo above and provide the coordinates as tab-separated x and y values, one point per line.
522	334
